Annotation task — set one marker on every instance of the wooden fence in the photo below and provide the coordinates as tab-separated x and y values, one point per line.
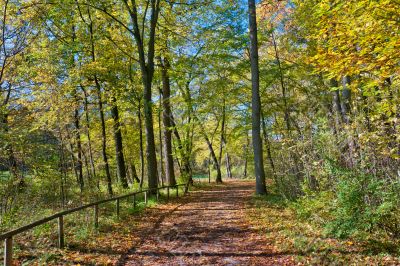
8	237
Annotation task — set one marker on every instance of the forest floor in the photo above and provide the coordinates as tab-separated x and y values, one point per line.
213	225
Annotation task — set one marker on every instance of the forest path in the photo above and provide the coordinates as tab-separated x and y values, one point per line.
208	227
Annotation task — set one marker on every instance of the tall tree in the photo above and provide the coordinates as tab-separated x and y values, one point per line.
256	102
119	149
146	63
167	117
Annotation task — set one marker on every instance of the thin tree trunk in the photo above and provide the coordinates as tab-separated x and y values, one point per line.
62	171
208	168
86	109
212	152
134	173
79	164
268	148
162	172
215	159
256	102
119	148
228	165
293	155
141	150
71	150
346	99
339	118
222	137
104	139
101	111
185	157
283	87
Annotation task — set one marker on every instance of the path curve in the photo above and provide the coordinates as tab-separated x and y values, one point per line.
208	227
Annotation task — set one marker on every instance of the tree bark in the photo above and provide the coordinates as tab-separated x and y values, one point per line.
167	116
214	158
119	149
256	102
160	139
141	150
134	173
246	155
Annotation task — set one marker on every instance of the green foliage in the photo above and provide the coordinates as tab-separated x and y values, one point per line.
357	205
316	207
365	204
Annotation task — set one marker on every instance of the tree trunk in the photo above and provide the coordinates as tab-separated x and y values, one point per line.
339	118
134	173
212	153
150	144
91	159
71	151
268	148
101	111
160	139
256	102
119	149
228	165
167	116
187	169
141	150
346	98
79	164
147	71
104	139
222	138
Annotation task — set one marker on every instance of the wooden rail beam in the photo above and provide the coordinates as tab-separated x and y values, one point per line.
8	236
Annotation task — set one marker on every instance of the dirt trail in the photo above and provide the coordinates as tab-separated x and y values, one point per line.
208	227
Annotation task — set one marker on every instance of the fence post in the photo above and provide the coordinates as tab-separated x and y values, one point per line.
117	207
177	191
96	216
8	250
61	232
145	197
157	194
134	201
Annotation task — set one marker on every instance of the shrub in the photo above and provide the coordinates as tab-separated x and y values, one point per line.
364	204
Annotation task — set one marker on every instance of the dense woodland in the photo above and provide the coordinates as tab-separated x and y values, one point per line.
102	97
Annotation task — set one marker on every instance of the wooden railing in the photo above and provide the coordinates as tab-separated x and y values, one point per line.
8	237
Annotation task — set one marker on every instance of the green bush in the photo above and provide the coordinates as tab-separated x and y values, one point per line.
365	204
356	204
317	207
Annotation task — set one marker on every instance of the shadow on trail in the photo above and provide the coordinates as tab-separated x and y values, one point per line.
122	260
209	227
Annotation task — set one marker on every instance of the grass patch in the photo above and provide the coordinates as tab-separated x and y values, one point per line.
274	217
